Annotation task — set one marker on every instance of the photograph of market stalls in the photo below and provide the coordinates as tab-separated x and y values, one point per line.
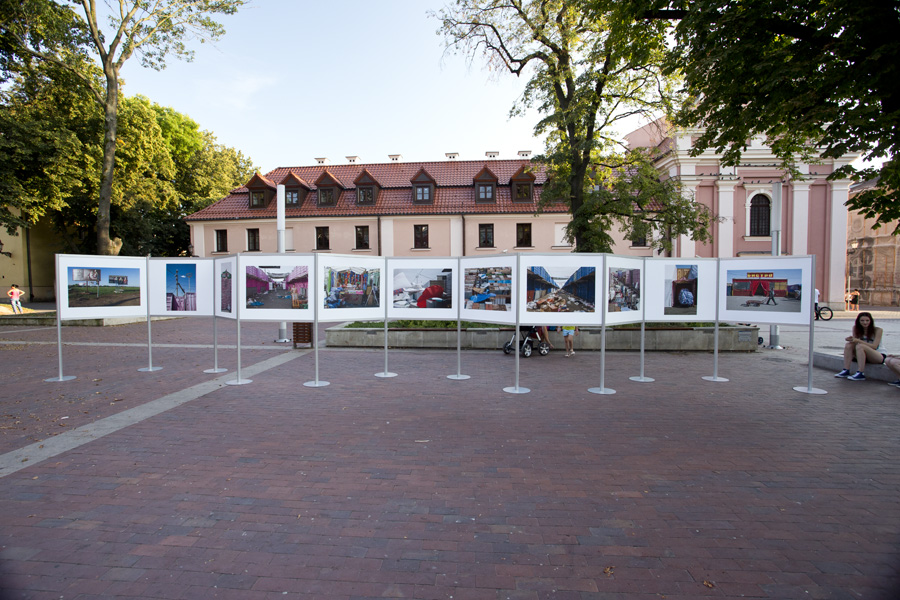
423	288
559	289
277	286
352	287
779	290
488	288
624	290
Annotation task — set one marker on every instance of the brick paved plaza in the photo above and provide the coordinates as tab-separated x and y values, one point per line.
173	485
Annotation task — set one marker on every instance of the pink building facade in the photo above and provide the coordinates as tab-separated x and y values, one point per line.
813	210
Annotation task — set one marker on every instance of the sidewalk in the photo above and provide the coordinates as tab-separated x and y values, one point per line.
174	485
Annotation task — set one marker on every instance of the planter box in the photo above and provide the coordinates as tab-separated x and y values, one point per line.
696	339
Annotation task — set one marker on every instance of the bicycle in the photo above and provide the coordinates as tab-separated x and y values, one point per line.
824	313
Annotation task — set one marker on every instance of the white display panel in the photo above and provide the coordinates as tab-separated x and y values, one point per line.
560	289
772	290
181	287
488	289
101	286
624	285
276	287
351	288
225	287
680	289
423	288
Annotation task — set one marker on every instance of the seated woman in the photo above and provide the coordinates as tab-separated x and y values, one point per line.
863	346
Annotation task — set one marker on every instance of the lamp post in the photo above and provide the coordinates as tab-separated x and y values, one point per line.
851	254
9	254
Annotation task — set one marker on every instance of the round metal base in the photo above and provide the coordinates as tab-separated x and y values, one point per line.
713	378
282	341
606	391
317	383
459	377
149	369
516	390
239	382
217	370
809	390
642	379
63	378
385	374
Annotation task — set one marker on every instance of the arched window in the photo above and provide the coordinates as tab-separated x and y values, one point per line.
760	213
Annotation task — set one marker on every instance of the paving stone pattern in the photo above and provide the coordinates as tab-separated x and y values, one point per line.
423	487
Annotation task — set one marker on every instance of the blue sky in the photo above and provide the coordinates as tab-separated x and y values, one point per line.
292	81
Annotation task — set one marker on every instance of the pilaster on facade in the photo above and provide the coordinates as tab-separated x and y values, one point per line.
687	247
836	260
725	226
800	219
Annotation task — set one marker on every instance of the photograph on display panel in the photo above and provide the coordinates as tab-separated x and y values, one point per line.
488	288
225	290
679	289
93	287
422	288
560	289
624	290
351	287
181	286
767	290
282	287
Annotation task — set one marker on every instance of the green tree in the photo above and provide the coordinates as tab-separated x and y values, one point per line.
590	66
808	75
36	30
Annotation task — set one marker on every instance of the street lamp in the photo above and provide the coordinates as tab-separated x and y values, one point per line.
851	253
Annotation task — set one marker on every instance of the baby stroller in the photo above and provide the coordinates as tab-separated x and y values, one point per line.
529	338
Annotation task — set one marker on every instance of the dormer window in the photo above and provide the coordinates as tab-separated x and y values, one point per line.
522	185
485	186
423	194
423	185
365	196
295	190
257	199
326	197
292	197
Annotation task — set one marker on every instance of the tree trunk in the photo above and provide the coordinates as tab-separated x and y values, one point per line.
105	245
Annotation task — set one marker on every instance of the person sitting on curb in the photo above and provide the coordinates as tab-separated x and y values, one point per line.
892	362
863	346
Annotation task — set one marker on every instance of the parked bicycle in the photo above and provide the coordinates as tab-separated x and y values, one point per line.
824	313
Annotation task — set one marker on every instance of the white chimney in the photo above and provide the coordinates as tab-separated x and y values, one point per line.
352	159
322	161
492	154
524	153
452	155
395	157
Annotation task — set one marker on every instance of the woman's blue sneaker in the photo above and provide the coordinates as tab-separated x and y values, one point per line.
844	373
858	376
895	383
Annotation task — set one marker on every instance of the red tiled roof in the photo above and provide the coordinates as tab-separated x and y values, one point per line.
454	191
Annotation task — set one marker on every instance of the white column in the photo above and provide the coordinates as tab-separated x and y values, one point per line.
835	263
456	236
387	236
800	219
725	245
197	238
687	247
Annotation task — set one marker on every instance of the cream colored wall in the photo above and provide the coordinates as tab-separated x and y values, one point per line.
45	243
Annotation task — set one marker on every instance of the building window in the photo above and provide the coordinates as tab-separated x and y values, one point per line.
485	192
322	238
522	192
423	193
760	211
523	235
326	196
365	196
221	240
257	199
420	236
486	235
362	237
253	240
291	197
